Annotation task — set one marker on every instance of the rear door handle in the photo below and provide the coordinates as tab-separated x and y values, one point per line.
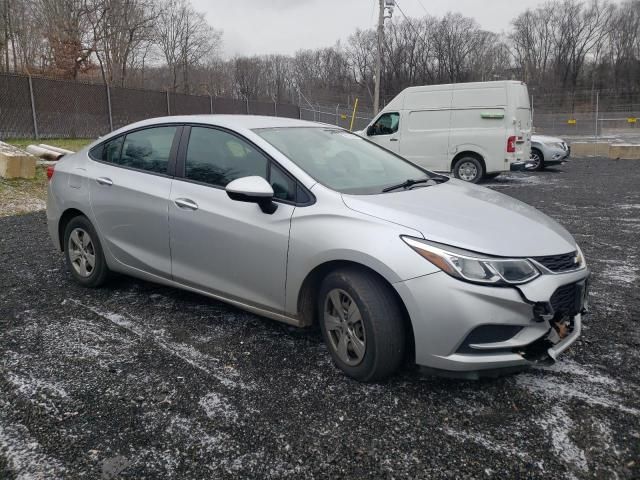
104	181
186	204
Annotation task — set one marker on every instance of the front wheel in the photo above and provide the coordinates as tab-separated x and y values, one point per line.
469	169
362	324
536	161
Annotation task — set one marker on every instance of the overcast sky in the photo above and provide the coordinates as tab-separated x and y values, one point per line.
254	27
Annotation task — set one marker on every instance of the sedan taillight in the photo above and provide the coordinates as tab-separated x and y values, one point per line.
51	169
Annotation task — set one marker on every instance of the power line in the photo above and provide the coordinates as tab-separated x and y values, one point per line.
424	43
425	10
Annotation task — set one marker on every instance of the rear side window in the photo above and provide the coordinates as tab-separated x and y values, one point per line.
217	158
109	151
148	149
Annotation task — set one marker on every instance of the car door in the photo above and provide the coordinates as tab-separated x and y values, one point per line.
129	194
226	247
385	131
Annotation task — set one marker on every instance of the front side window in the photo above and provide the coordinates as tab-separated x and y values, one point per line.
216	157
341	160
148	149
284	187
387	124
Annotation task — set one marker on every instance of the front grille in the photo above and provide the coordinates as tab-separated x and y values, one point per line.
565	300
558	263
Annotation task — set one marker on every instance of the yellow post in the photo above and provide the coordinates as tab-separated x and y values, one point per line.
353	115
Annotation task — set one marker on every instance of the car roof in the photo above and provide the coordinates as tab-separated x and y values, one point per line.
234	122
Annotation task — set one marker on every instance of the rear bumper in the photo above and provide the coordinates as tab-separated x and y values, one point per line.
451	319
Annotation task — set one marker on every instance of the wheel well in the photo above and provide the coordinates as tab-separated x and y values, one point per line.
475	155
308	302
539	151
64	221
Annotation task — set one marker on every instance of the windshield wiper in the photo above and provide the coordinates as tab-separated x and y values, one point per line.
411	183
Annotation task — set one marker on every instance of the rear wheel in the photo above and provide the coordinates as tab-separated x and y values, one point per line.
469	169
536	161
362	324
83	253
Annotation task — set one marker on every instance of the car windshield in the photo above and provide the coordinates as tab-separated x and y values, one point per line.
341	160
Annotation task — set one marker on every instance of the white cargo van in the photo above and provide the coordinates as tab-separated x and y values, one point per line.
474	130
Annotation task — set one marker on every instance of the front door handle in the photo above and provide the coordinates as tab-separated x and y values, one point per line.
186	204
104	181
393	139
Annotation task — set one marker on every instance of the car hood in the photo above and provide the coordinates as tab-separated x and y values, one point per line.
469	217
545	139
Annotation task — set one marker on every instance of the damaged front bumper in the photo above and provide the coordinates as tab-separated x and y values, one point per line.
469	330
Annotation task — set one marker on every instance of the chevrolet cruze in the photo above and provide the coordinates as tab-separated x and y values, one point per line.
307	223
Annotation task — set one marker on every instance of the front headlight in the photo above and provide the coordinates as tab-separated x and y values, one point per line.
558	145
474	267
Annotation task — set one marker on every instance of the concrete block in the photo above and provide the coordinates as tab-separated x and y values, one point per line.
590	149
625	151
14	163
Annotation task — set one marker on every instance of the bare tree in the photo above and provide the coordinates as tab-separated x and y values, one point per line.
185	39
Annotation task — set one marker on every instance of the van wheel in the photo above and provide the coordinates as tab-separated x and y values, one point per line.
469	169
362	324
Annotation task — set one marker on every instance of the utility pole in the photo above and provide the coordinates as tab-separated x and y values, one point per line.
385	6
376	94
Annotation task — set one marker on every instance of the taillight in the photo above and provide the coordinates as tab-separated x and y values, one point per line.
51	169
511	144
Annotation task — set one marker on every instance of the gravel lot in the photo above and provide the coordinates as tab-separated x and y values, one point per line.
141	381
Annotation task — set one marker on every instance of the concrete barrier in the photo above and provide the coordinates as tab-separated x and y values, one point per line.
624	151
586	149
14	163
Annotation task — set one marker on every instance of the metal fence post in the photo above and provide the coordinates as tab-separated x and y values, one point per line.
109	109
275	109
33	109
168	104
247	99
211	104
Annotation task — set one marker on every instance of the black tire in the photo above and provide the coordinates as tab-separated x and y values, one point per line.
98	273
468	169
539	166
382	322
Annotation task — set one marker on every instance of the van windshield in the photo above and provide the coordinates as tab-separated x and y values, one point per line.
341	160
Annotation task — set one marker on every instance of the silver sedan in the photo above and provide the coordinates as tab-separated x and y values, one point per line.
307	223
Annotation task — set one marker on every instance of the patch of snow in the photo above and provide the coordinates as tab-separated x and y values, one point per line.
25	456
186	353
216	405
559	425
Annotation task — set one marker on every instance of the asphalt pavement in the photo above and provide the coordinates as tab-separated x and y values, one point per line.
141	381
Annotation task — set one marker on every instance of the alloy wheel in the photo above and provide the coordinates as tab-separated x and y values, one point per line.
82	252
345	327
534	161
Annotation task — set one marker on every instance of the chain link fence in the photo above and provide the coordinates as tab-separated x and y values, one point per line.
592	114
35	107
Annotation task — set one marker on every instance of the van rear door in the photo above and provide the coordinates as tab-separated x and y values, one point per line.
519	100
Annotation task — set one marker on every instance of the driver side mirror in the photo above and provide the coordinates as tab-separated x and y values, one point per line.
370	131
253	190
